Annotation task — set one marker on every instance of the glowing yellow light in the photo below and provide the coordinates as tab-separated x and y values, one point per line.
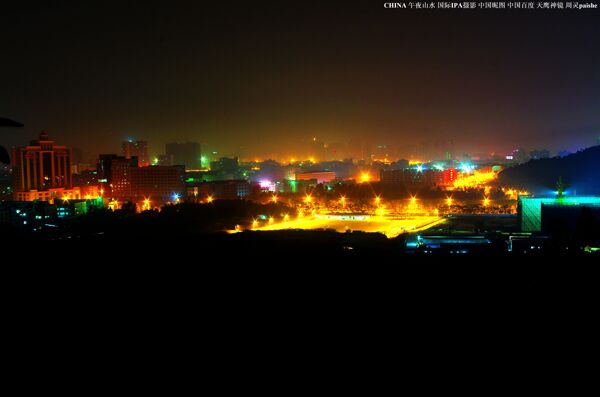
413	200
254	223
365	177
286	217
312	159
274	199
209	199
343	201
308	198
88	196
377	200
271	220
300	213
477	179
449	201
146	205
101	192
486	202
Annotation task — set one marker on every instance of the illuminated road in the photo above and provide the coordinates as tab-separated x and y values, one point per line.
391	227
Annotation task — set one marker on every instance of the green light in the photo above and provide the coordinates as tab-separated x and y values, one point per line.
530	208
294	185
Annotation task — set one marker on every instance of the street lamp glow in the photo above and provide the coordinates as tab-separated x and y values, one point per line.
449	201
365	177
486	202
209	199
274	199
308	199
343	201
377	200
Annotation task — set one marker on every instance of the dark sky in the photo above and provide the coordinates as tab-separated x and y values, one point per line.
255	76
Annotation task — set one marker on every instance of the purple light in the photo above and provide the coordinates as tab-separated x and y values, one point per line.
266	185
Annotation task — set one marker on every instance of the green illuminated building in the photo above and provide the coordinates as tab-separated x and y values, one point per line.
530	208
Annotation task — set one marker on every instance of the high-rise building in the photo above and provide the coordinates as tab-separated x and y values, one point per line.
121	178
158	184
113	174
225	168
187	154
41	166
137	149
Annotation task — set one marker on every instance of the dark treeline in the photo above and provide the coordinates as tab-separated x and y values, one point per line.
580	171
185	219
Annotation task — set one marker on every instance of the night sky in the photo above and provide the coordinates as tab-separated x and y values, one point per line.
260	77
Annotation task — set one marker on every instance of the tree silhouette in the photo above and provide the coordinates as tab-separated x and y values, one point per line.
4	157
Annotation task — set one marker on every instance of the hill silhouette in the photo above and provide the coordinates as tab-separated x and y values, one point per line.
580	171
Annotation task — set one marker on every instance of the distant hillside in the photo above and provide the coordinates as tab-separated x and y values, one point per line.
580	171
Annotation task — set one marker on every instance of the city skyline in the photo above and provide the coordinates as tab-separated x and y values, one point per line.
257	81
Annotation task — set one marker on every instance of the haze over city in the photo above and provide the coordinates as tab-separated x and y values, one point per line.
259	80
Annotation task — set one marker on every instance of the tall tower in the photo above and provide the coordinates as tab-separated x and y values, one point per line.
137	149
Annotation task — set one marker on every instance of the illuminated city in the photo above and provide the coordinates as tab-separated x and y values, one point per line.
324	135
